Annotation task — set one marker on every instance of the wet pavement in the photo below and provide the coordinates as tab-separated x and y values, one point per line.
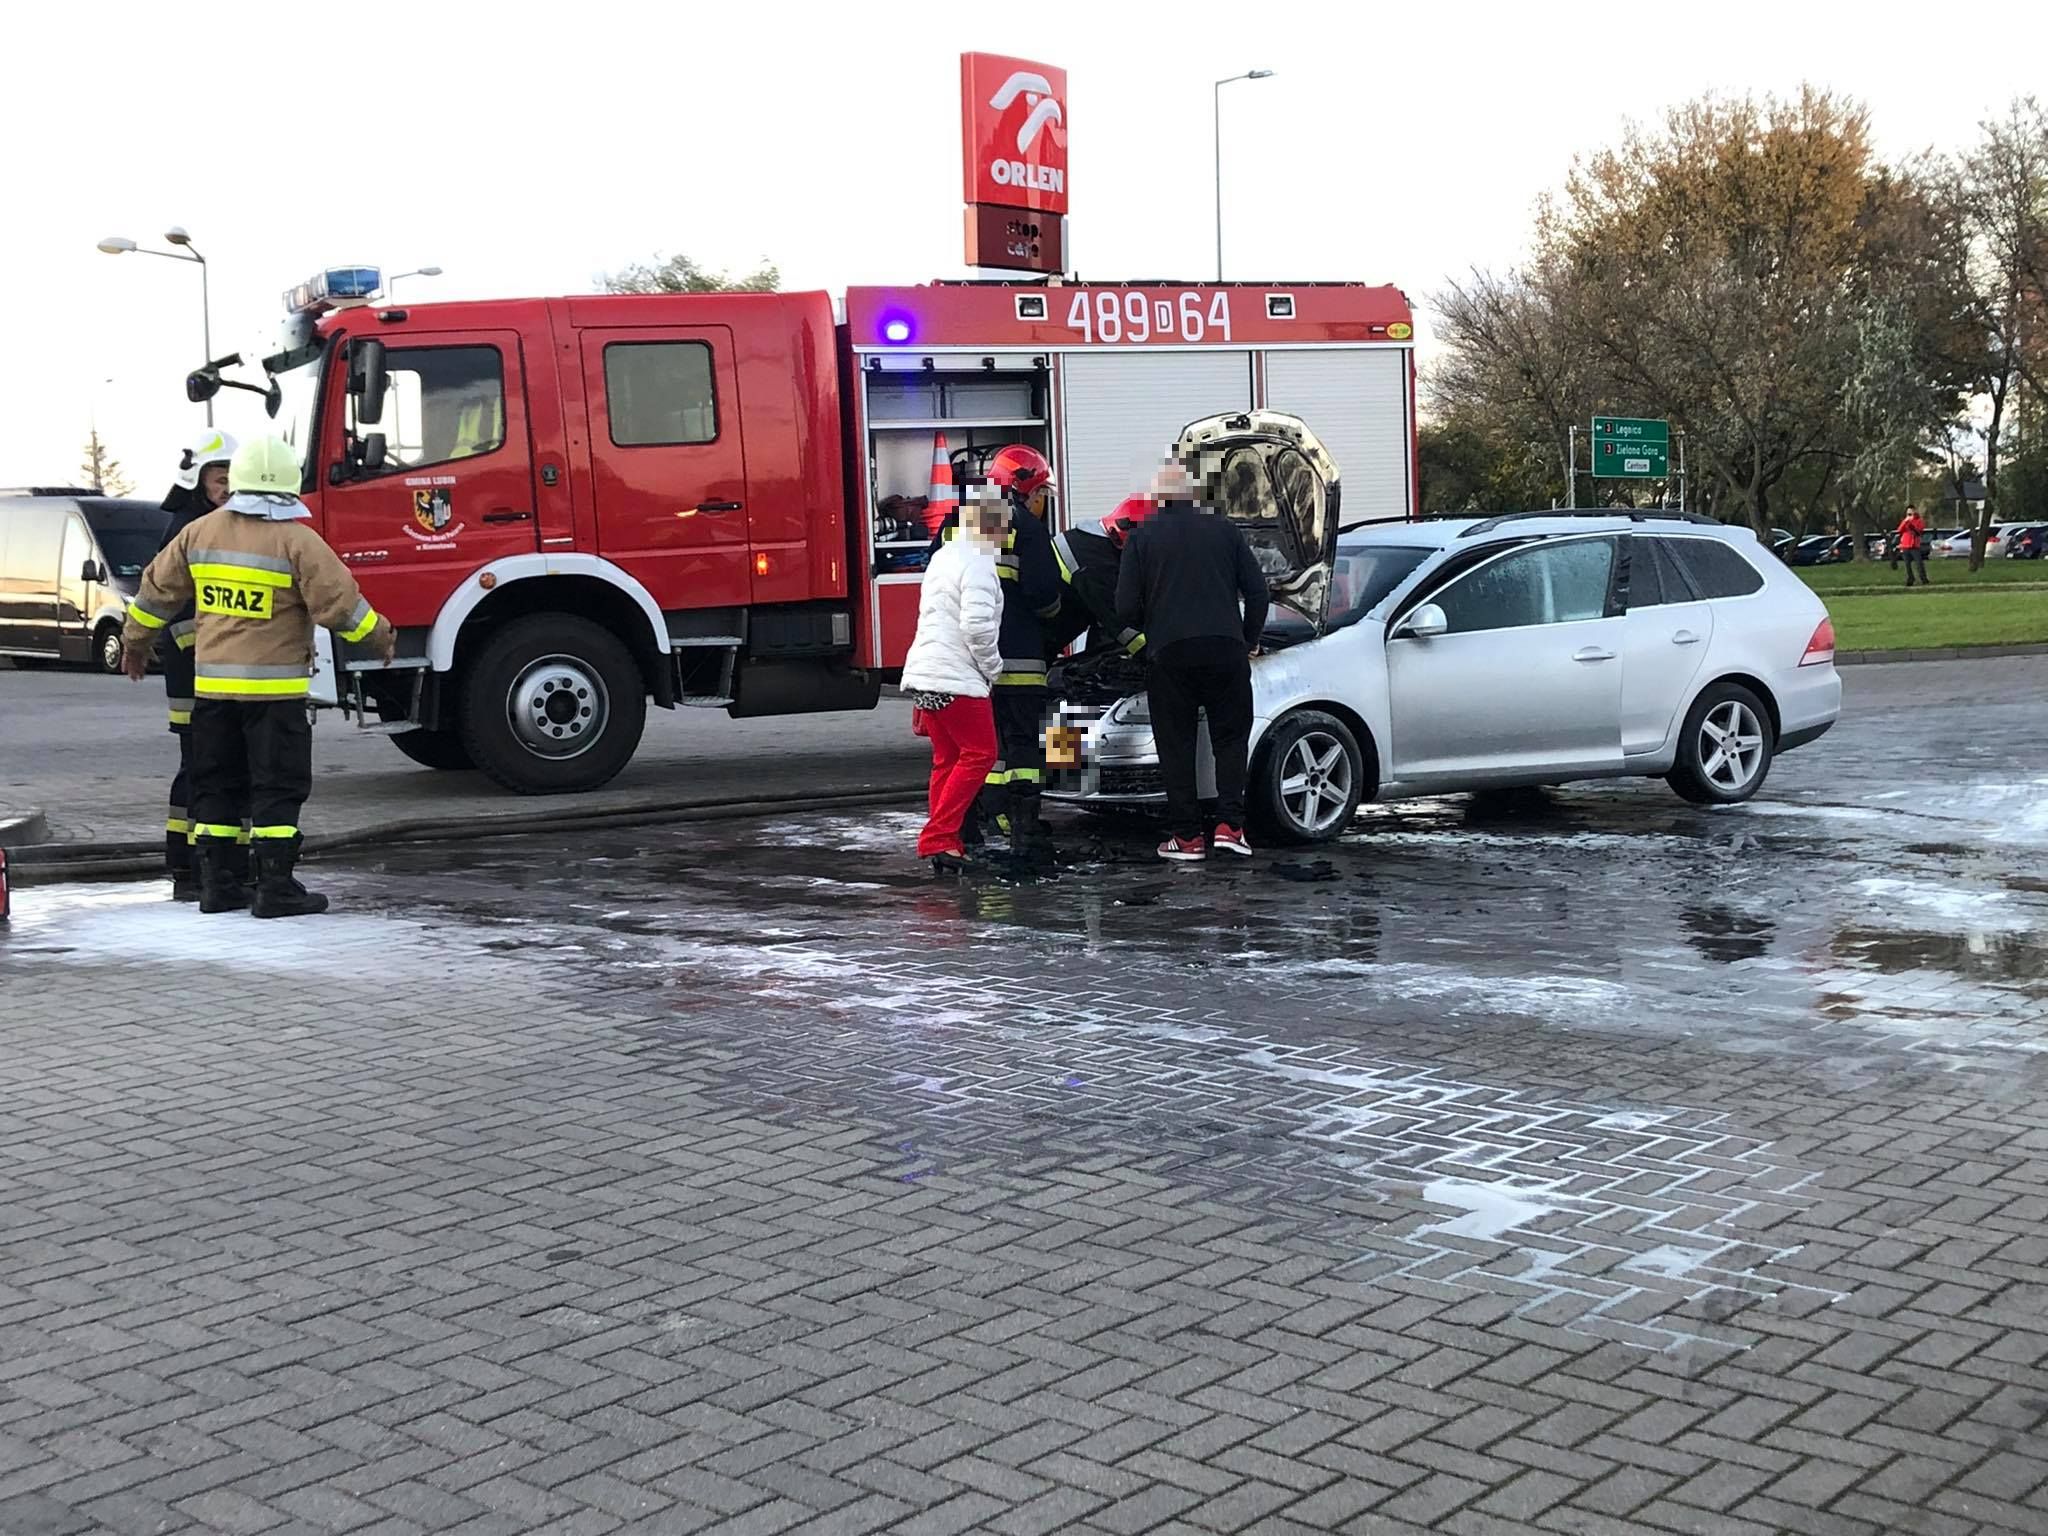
1571	1162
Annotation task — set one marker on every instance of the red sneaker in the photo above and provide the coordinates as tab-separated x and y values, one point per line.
1184	849
1231	840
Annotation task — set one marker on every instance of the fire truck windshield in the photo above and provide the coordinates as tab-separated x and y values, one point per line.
300	388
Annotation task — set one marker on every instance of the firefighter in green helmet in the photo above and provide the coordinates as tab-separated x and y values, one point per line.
259	580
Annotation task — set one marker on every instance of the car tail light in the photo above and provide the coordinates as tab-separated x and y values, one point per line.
1821	647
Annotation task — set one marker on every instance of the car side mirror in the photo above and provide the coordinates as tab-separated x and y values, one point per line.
92	572
1424	623
373	452
367	380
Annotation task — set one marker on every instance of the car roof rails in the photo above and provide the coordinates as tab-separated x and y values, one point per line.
48	490
1633	514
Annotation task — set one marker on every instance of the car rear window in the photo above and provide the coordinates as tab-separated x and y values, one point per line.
1715	569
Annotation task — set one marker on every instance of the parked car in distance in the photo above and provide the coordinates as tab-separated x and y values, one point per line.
1941	543
69	562
1518	650
2026	541
1824	549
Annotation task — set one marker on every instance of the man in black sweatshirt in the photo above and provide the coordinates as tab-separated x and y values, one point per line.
1191	585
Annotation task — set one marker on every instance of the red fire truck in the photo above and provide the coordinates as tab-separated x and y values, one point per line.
571	506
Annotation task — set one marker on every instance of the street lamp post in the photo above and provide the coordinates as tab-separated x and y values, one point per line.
120	245
1216	120
391	283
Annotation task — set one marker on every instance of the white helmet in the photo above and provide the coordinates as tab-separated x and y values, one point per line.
210	447
265	466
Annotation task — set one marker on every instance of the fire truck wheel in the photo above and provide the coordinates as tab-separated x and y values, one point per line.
434	749
553	704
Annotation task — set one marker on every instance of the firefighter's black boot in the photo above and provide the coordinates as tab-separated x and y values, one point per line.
219	890
1029	839
237	855
180	865
277	893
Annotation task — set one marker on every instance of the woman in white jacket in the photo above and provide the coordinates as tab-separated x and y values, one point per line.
952	661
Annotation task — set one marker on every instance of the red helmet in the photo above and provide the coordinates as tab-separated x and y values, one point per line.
1130	512
1019	470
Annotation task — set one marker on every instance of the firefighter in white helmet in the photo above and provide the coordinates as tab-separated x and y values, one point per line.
260	580
200	485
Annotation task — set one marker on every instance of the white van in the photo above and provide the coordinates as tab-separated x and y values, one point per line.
69	562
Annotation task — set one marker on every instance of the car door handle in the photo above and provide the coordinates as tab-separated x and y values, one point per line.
718	506
1685	637
506	515
1592	653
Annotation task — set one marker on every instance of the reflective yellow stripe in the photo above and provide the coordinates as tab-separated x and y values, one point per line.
184	641
178	824
359	631
273	831
283	687
144	617
1060	559
215	829
253	575
1020	679
997	776
1027	776
181	717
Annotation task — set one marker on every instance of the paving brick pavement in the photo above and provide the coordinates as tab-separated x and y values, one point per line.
678	1184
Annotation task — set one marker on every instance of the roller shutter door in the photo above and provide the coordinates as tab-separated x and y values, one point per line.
1123	410
1356	401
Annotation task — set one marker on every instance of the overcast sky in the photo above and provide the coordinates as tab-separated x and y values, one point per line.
526	148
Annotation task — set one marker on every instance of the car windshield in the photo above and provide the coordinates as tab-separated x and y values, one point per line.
128	540
1361	579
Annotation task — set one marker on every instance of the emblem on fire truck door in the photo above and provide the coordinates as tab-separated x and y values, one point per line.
433	510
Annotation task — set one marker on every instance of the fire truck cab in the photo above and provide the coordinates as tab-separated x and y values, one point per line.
569	506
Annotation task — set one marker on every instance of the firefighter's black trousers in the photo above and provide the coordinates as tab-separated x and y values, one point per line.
1018	776
250	761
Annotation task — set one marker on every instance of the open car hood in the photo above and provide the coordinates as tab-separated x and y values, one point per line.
1268	473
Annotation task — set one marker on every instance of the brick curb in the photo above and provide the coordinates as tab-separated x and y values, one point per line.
1938	653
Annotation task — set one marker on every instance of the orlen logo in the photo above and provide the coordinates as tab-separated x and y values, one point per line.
1045	108
1013	121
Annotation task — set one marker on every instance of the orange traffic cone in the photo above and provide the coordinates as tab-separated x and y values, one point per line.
942	501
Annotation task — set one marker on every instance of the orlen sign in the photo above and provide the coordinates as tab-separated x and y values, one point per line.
1013	132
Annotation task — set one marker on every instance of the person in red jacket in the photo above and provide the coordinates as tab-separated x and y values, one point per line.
1913	544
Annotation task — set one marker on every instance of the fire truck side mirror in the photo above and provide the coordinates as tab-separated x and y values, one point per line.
366	380
373	452
201	387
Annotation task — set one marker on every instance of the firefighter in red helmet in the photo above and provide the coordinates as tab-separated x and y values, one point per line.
1031	596
1088	555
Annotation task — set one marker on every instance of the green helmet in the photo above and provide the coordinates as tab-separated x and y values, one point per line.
266	466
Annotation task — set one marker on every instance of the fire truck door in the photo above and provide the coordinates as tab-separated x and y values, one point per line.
668	472
455	490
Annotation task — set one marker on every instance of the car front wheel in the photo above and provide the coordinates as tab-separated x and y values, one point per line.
1308	780
1724	751
106	649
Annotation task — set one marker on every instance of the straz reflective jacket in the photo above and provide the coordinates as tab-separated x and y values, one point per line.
258	588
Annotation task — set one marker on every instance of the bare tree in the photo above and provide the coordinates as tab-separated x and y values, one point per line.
1999	194
101	470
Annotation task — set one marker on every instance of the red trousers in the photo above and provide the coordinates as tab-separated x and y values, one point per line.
963	737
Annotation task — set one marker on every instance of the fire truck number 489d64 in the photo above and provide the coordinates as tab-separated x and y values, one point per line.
571	506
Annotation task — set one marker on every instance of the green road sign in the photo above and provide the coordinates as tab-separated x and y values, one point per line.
1631	448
